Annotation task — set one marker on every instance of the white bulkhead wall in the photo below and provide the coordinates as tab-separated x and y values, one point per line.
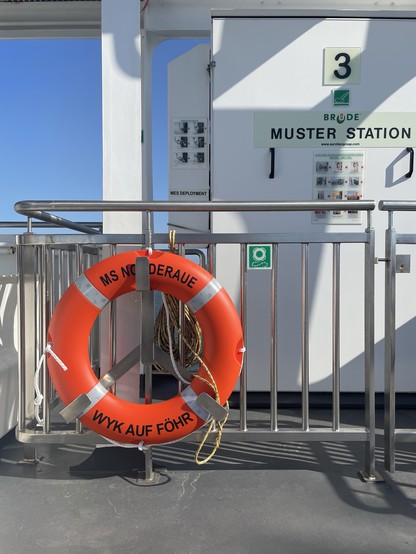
127	47
188	114
127	171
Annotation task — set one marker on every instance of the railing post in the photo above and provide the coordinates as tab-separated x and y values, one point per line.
336	338
369	473
78	268
305	335
274	341
43	317
390	350
112	329
150	477
243	315
26	259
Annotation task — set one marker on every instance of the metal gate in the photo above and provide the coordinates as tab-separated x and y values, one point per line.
396	263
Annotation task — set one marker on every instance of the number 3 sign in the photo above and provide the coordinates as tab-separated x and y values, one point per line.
342	66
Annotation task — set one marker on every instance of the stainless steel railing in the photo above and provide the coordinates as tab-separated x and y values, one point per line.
47	263
393	433
51	222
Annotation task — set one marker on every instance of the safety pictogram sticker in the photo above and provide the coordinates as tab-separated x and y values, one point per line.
259	256
341	97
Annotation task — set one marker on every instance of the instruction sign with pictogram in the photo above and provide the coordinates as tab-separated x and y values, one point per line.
341	97
259	256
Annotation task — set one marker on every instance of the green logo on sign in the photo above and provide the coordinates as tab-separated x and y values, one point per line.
259	256
341	97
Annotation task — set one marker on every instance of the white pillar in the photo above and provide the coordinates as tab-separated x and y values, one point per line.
122	121
122	158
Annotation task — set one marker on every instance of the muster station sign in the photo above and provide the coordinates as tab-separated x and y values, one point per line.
294	129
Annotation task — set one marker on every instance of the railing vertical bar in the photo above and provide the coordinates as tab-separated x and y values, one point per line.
22	336
37	321
336	337
243	315
78	269
369	356
113	327
69	268
390	351
212	268
147	344
29	323
52	281
148	310
61	272
95	333
41	339
36	303
45	315
305	334
50	295
182	324
274	341
212	259
390	220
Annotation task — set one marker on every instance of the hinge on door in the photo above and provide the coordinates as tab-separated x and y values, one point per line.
211	66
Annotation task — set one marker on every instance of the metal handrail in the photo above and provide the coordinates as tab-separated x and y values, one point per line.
39	209
33	208
397	206
47	225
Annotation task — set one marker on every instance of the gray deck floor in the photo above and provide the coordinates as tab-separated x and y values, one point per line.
280	497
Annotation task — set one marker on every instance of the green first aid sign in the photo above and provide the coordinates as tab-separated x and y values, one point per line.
259	256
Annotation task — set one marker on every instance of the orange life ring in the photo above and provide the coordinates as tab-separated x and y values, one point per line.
71	324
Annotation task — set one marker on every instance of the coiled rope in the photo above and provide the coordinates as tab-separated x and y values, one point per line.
169	334
219	423
167	324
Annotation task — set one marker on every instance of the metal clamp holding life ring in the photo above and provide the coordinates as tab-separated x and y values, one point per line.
71	324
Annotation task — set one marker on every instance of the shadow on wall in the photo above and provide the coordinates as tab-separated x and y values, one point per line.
405	376
125	31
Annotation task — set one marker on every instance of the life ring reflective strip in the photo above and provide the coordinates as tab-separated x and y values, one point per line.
71	324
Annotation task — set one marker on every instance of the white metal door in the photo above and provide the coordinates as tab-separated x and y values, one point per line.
295	70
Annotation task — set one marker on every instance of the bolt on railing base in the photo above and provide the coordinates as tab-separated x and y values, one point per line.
151	476
29	455
156	477
367	478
